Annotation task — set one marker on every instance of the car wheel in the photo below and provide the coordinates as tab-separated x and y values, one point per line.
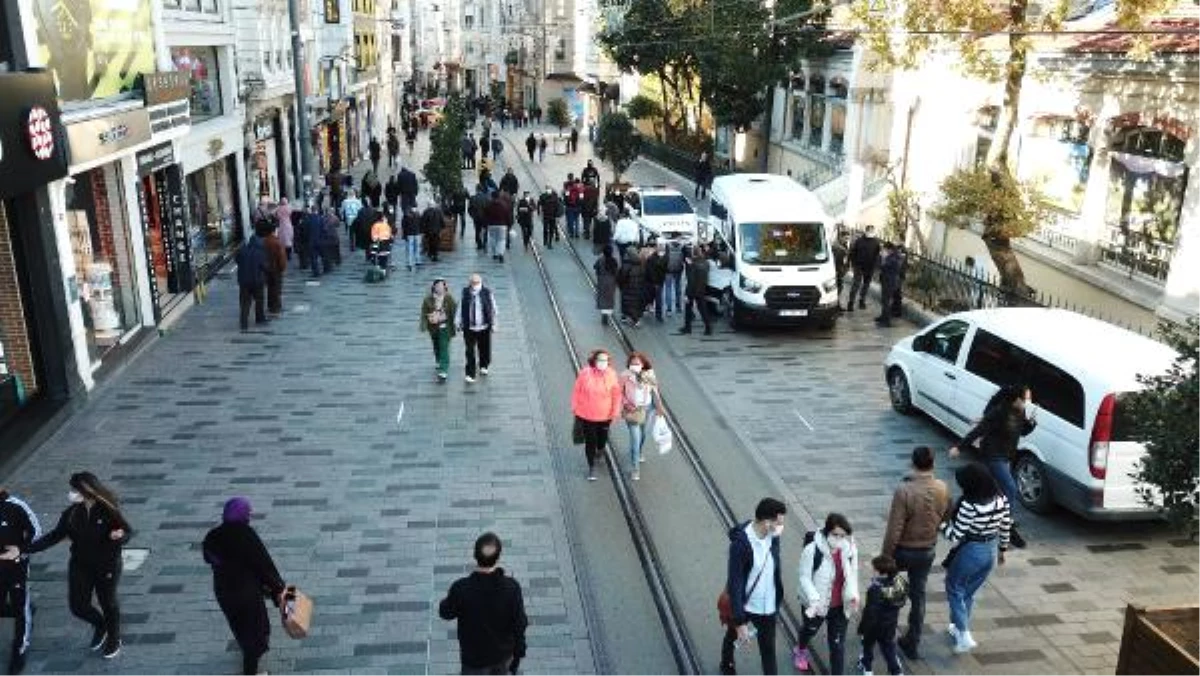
1033	486
898	391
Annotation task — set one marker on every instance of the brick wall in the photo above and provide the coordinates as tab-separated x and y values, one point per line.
13	333
104	225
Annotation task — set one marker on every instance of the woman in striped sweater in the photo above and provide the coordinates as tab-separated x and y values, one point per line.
980	522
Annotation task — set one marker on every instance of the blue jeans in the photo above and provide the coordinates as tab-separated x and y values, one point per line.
637	438
672	292
497	239
413	245
572	222
967	573
1002	472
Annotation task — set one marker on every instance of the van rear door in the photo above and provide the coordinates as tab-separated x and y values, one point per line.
1124	452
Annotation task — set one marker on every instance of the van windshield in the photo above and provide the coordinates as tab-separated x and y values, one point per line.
782	243
665	205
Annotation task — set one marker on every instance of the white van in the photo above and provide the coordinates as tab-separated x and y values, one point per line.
1080	455
773	239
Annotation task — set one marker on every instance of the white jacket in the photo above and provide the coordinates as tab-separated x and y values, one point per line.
816	585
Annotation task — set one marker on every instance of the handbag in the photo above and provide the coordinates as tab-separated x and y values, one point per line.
297	613
577	432
953	550
635	415
725	604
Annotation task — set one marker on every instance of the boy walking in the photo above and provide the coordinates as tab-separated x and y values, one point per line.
885	598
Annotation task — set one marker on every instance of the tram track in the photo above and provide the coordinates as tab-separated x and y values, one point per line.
675	624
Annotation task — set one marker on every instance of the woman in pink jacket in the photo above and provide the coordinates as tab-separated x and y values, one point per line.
596	402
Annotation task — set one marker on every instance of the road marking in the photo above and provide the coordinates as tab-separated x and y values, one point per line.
300	308
400	413
132	559
810	427
312	282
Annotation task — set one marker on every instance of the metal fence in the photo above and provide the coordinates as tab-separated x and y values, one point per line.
678	161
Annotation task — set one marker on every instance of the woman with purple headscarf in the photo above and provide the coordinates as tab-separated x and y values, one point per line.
243	576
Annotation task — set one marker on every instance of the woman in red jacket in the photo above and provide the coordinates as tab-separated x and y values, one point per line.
596	402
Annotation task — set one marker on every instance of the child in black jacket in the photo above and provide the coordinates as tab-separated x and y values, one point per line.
885	597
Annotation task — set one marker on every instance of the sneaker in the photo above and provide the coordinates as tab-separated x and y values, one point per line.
111	651
862	305
800	658
637	476
591	475
470	379
98	636
962	641
728	669
863	670
441	377
483	371
1015	539
642	459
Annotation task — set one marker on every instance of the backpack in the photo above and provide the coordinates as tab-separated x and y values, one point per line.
818	555
675	258
573	197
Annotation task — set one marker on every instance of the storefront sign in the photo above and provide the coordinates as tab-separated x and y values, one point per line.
170	116
166	87
147	240
333	11
31	148
94	139
152	159
264	128
169	186
96	48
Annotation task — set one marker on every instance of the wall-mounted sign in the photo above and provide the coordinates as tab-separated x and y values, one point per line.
333	11
94	139
31	144
154	158
95	48
170	116
166	87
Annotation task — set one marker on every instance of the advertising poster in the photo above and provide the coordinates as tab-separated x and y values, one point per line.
95	48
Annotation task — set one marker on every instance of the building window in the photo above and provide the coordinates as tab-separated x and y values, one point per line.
560	50
201	64
986	119
837	111
172	4
1056	155
191	5
210	7
816	111
798	108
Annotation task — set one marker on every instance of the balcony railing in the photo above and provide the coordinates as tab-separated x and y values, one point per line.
1055	239
1137	255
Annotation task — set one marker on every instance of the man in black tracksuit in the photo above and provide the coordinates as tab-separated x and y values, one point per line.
490	611
696	264
19	527
864	256
754	584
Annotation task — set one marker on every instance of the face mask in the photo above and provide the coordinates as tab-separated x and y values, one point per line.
476	287
602	364
836	541
635	368
777	531
74	497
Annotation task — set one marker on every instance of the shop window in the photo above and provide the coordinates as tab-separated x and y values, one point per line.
103	257
1056	155
216	229
201	65
816	111
837	115
799	105
986	119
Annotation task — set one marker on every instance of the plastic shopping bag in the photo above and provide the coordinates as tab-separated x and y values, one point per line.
662	435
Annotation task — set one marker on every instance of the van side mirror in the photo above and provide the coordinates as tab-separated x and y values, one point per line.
922	342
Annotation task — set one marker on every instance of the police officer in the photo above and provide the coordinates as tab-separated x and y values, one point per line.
19	527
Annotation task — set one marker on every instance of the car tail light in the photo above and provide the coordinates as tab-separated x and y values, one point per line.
1101	435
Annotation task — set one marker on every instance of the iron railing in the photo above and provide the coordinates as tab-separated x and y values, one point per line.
678	161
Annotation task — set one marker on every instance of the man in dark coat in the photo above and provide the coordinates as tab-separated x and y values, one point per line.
479	202
408	189
457	206
696	265
252	279
841	254
704	172
374	151
509	183
372	189
590	174
574	139
490	610
525	208
360	229
244	575
549	206
431	227
530	145
393	147
864	257
468	151
631	279
392	191
591	204
889	283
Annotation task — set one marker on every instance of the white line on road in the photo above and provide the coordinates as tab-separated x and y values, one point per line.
400	413
810	427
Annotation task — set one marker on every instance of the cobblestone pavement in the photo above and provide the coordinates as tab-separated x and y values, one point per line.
812	409
370	481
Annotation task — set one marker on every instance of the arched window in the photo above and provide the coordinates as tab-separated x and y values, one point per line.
799	101
986	119
816	110
838	88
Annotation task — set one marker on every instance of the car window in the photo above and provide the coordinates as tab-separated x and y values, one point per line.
1055	390
995	359
717	210
665	205
948	339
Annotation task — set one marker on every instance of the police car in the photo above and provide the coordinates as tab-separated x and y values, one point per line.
663	212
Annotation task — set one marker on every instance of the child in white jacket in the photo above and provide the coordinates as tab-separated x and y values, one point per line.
828	589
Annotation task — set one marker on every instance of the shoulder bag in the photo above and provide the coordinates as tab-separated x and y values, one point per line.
725	604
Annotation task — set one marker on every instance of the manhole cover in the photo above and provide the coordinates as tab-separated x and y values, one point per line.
132	558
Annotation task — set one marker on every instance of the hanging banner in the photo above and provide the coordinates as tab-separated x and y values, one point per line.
95	48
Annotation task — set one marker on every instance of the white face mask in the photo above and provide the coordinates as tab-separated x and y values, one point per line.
74	497
476	287
602	364
836	541
777	531
635	368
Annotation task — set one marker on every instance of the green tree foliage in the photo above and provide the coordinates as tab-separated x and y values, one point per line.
1006	208
993	42
444	168
617	142
557	114
1165	414
642	107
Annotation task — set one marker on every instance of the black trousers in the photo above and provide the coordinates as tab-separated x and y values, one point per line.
548	232
689	313
431	246
247	295
595	438
478	342
14	596
527	233
480	232
84	580
765	626
835	635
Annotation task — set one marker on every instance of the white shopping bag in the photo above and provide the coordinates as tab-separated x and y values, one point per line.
662	435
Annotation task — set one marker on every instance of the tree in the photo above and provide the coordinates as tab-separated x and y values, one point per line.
617	142
642	107
444	168
557	114
1165	415
993	41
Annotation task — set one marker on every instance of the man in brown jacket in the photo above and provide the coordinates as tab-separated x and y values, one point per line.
276	266
920	504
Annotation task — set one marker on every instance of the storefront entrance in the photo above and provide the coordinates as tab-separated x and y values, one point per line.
216	229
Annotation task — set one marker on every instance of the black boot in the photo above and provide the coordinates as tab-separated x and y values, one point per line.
1015	539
